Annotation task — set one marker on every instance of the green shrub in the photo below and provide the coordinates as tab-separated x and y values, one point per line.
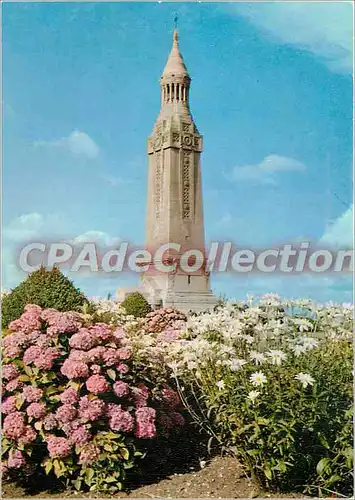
136	305
46	288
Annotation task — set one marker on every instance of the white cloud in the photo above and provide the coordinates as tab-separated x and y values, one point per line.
78	143
99	237
340	232
323	28
23	227
265	170
35	227
115	181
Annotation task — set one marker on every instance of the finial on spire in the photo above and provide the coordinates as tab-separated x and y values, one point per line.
175	36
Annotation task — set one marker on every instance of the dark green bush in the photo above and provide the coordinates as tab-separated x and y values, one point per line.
46	288
136	305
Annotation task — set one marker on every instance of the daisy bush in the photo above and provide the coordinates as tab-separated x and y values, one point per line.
76	402
272	382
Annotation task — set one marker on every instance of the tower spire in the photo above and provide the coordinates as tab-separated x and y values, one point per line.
175	80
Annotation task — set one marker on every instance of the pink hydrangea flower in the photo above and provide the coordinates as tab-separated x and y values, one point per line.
28	321
84	340
36	410
14	343
9	372
145	418
16	460
80	435
14	425
32	394
65	413
96	369
43	341
121	388
32	353
111	357
90	410
120	420
61	322
74	369
14	384
101	330
141	395
89	454
97	384
70	427
46	359
122	368
96	355
170	397
69	396
28	436
178	419
9	405
119	333
33	336
77	355
58	447
50	422
124	353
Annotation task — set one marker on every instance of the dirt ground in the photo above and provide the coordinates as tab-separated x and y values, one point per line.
221	477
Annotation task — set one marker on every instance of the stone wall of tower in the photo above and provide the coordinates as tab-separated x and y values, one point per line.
174	205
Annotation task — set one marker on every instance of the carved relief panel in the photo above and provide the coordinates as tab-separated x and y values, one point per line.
186	191
158	185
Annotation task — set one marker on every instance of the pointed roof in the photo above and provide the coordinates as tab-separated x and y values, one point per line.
175	65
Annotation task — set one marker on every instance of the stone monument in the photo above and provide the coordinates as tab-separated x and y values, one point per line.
174	201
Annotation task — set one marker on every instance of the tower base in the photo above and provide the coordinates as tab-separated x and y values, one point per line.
197	299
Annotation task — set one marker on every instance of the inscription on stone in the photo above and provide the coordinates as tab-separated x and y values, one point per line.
186	186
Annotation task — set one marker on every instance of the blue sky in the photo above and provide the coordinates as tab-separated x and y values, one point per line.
271	87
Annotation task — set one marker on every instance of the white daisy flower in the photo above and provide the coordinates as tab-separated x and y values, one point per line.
305	379
253	395
220	384
257	357
236	364
258	378
276	357
298	349
309	342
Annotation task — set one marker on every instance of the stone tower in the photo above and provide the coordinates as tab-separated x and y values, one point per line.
174	202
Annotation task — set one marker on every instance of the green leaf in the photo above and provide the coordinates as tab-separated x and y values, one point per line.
125	453
322	464
19	401
77	484
268	472
111	479
48	466
112	374
89	474
333	479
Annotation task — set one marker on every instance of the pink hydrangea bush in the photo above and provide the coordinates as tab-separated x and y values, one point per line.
164	320
75	400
